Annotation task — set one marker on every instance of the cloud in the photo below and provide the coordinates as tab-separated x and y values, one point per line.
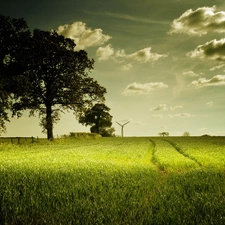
199	22
217	80
132	18
181	115
209	103
83	36
145	55
160	107
217	67
190	74
104	53
126	67
128	17
164	107
211	50
143	89
120	53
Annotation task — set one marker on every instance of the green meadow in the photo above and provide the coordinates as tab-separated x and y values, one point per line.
136	180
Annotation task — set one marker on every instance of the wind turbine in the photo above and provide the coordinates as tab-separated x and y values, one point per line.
122	125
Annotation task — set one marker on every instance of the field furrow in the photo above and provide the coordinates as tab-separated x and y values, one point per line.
206	151
168	158
185	154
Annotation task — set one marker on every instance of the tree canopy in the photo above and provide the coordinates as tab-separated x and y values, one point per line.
186	134
13	35
164	134
51	77
99	119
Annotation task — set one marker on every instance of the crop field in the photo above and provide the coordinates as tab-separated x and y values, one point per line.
113	181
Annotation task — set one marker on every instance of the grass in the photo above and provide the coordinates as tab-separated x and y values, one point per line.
168	157
113	181
207	151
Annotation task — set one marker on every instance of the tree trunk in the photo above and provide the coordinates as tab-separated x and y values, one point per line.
97	124
49	123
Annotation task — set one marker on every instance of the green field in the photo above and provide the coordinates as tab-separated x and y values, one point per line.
148	180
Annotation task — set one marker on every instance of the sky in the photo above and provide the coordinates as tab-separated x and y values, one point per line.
161	61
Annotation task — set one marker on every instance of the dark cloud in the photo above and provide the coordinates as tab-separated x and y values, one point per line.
214	49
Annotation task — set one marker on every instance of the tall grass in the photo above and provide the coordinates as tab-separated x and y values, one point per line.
106	181
207	151
169	158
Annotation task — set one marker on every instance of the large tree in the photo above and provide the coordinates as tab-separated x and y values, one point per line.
99	119
4	107
13	35
55	78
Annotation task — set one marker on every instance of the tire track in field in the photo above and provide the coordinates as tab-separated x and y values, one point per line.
178	149
154	160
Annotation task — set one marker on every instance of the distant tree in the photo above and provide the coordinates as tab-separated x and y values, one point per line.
14	33
205	135
186	134
107	131
164	134
99	119
55	79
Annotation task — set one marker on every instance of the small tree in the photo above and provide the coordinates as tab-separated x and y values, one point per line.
99	119
164	134
186	134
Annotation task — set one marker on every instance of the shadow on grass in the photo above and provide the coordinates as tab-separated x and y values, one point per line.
104	196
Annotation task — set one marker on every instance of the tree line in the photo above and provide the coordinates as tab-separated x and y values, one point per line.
41	72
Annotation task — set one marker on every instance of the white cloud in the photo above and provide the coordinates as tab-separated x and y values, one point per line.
145	55
160	107
190	74
199	22
209	103
211	50
120	53
143	89
217	80
83	36
164	107
126	67
217	67
131	18
104	53
181	115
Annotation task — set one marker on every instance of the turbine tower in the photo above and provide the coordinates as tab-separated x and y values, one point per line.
122	125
